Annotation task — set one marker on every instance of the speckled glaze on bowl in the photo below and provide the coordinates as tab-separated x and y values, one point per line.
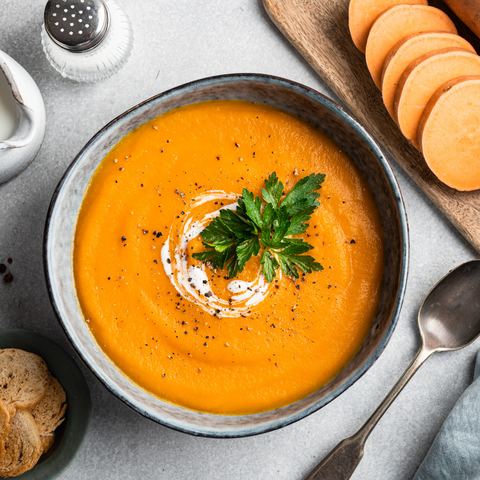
286	95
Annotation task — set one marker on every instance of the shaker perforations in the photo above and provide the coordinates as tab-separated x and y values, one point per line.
76	25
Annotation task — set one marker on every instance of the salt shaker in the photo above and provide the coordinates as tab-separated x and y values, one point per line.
86	40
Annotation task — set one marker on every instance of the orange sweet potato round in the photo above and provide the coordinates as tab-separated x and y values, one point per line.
362	14
449	133
396	23
406	51
422	78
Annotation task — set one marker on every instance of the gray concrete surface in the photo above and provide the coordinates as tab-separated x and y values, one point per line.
177	41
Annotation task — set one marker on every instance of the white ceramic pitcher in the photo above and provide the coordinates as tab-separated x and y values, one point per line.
18	151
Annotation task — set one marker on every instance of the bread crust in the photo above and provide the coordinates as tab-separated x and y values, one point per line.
22	448
32	406
48	414
24	377
4	423
47	442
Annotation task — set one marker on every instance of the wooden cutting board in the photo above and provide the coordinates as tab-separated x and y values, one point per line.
318	29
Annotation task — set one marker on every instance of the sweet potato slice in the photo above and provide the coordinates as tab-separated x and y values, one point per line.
408	50
422	78
362	14
449	133
396	23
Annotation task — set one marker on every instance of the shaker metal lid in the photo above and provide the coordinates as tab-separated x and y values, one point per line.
76	25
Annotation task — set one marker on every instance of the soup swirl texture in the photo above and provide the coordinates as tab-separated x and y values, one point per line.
189	334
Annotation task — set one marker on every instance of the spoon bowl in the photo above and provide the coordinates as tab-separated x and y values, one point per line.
449	318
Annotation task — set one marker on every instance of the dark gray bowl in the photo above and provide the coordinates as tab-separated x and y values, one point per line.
289	96
71	434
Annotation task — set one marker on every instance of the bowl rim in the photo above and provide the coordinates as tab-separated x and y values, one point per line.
360	131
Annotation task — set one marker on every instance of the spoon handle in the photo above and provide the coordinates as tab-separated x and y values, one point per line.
342	461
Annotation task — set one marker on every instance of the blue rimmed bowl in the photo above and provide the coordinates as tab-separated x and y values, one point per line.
280	93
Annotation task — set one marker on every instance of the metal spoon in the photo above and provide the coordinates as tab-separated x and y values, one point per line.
449	319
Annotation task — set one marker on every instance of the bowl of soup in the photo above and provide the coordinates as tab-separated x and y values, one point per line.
182	343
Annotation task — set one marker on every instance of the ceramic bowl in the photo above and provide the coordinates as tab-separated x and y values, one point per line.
286	95
71	434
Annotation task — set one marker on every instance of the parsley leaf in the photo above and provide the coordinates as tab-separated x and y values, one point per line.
303	193
270	264
218	235
274	190
246	249
298	222
233	237
253	206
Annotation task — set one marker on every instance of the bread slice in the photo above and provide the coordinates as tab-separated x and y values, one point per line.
48	414
4	423
47	442
24	378
23	447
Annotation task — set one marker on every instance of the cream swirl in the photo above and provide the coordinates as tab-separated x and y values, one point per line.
191	279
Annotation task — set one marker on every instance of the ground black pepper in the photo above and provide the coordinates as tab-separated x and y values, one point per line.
8	278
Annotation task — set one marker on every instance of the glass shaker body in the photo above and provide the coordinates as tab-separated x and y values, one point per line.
99	62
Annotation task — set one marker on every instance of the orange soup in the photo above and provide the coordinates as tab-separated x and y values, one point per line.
188	334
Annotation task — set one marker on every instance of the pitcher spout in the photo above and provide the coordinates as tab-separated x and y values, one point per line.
23	114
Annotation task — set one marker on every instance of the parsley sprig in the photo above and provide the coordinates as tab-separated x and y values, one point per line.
233	237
